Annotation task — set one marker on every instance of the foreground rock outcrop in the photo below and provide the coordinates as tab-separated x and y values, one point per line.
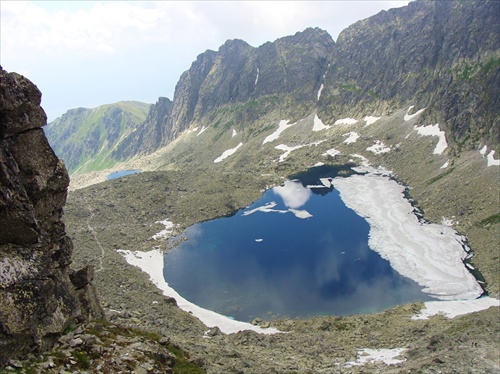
40	295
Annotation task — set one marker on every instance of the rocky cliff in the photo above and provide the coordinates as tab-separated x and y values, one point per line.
40	295
441	55
146	137
286	73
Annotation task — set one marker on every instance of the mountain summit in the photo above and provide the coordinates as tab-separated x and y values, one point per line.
441	55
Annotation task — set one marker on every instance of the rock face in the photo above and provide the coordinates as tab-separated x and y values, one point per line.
38	299
148	135
236	74
439	55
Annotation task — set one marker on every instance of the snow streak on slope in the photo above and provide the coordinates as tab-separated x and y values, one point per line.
319	91
408	117
490	157
283	125
351	137
227	153
319	125
433	130
345	121
370	120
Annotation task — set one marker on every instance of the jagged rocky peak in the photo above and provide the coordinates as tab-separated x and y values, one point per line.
235	73
439	55
38	298
148	135
238	72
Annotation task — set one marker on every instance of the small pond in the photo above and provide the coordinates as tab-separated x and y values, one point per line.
296	252
122	173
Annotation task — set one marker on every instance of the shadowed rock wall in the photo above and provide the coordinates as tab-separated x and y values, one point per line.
40	295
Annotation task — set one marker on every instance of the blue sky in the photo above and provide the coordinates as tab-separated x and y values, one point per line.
89	53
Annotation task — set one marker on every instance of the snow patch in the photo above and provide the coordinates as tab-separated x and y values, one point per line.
433	130
408	117
370	120
166	232
319	125
430	254
352	137
319	91
378	148
453	308
234	133
257	77
364	161
203	129
445	165
288	149
448	221
387	356
227	153
345	121
283	125
331	152
152	264
491	159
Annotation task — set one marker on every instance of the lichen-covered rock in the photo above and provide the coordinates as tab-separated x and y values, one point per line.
38	299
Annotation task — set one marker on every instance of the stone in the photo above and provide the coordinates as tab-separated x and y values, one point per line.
75	342
164	340
213	331
82	277
16	364
38	301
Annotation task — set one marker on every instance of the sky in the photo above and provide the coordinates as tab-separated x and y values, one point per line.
90	53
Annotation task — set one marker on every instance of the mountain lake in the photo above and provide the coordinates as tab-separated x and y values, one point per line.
122	173
296	252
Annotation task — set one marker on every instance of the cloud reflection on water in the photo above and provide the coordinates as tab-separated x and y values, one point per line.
293	193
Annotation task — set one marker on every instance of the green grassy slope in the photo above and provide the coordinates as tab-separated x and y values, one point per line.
84	138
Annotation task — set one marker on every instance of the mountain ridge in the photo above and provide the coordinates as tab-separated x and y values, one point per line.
85	137
429	54
393	59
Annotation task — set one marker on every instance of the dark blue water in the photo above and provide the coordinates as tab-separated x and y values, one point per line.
122	173
274	264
